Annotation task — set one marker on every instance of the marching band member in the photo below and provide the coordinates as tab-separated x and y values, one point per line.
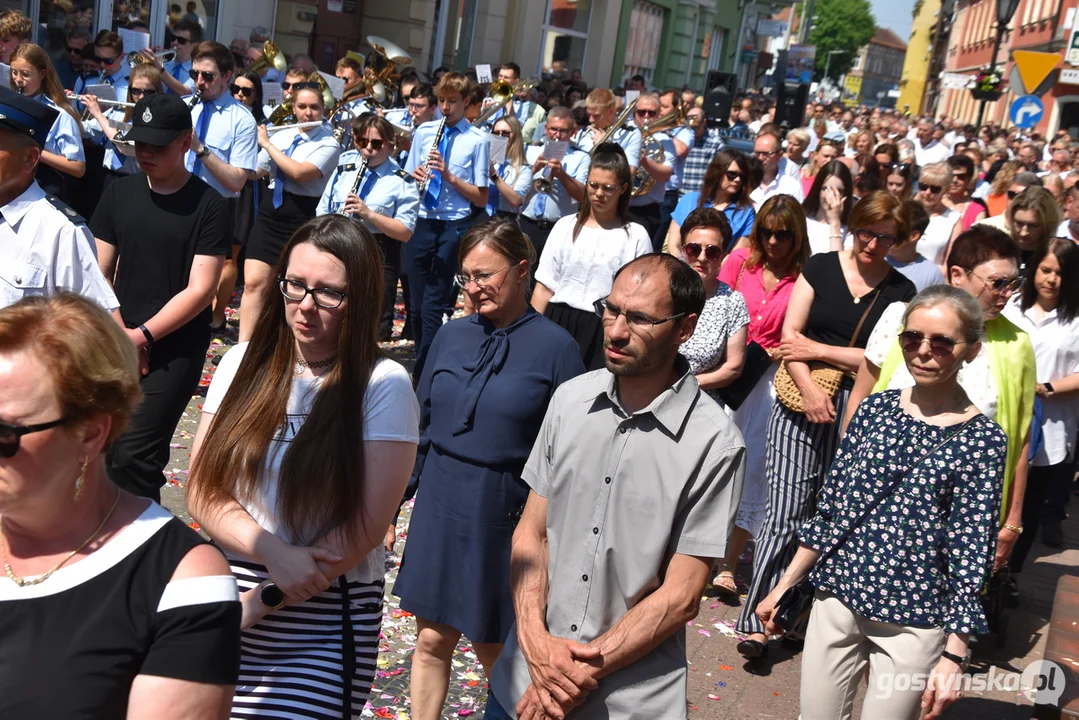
300	161
567	178
645	209
33	75
683	137
349	70
144	81
176	73
474	104
528	112
386	201
511	179
602	112
109	56
452	173
293	75
399	115
422	107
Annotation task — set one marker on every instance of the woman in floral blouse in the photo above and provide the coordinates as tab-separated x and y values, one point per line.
904	532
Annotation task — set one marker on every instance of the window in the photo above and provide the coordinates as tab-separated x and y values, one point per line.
642	42
55	22
713	49
565	36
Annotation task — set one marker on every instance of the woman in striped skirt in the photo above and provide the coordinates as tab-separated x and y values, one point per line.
833	308
306	443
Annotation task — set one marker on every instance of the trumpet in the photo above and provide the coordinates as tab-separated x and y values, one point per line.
422	187
361	171
502	93
136	58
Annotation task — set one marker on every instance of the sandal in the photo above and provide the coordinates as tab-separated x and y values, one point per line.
724	584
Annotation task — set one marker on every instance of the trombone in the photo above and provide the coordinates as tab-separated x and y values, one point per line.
502	93
136	58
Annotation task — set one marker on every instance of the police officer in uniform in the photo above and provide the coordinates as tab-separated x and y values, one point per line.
385	199
45	246
567	177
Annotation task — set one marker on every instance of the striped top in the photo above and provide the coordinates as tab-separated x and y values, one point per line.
78	640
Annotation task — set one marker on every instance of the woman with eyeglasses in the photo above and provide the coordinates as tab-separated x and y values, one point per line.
1048	310
834	306
933	183
111	606
144	81
1000	381
386	201
764	273
512	179
33	75
898	548
584	251
827	207
483	394
299	161
307	439
725	187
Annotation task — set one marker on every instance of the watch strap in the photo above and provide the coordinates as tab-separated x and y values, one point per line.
147	335
1049	388
960	661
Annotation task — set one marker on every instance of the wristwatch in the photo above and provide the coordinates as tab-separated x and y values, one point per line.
1049	388
203	152
271	595
963	662
146	334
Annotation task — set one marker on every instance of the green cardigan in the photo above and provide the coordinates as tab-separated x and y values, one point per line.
1011	363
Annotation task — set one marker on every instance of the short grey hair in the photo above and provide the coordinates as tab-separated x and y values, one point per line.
962	303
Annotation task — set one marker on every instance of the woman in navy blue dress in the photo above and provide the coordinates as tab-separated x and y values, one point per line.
483	394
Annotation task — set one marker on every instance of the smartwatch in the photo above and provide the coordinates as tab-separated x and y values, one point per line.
962	662
146	334
271	595
1049	388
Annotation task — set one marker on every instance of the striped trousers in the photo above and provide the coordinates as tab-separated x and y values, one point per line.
799	456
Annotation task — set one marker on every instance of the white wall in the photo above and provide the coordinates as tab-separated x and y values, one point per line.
238	17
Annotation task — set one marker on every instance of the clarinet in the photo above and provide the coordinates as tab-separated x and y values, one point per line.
422	187
360	172
195	99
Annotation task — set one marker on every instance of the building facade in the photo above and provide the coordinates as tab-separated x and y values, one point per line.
878	69
912	80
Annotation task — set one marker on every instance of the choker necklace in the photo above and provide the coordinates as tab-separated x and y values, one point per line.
302	365
23	582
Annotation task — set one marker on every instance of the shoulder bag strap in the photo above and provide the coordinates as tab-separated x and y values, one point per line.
740	271
880	289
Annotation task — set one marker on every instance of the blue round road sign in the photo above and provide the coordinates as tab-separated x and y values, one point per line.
1026	111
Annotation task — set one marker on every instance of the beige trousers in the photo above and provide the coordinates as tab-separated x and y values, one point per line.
840	643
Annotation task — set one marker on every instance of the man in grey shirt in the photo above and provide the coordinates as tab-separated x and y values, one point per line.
636	477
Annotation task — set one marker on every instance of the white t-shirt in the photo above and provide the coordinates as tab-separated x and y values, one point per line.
934	152
582	271
390	412
782	185
973	377
819	235
934	242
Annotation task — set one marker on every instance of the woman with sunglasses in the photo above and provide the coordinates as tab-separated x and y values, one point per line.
299	161
246	88
512	179
886	155
835	304
959	196
933	183
483	394
827	207
386	201
1000	381
725	187
307	439
33	75
144	81
109	601
901	540
584	251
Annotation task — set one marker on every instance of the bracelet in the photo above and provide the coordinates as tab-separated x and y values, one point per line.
1013	528
147	335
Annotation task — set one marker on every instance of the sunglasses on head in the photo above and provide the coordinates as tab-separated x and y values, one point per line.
10	434
940	345
207	77
133	92
105	60
240	90
376	144
693	251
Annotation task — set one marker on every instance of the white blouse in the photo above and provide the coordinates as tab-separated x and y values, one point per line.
934	241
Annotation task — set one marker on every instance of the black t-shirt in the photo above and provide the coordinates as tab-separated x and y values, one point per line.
157	238
834	314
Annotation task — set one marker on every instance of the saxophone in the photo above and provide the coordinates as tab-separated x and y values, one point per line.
422	187
360	173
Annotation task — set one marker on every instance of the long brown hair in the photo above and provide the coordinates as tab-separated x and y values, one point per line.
787	212
148	71
50	85
612	158
322	472
713	177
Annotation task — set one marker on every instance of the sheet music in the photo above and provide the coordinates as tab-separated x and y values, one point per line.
483	74
133	40
497	150
631	95
555	149
337	85
272	94
103	91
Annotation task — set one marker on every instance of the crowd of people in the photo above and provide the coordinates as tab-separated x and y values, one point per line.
856	347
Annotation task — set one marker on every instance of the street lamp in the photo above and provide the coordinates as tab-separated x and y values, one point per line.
1005	10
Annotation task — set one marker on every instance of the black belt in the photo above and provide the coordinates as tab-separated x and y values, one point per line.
541	224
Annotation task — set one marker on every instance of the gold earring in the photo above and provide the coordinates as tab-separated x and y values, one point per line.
79	481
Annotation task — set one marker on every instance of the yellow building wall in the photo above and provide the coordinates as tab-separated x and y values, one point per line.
916	64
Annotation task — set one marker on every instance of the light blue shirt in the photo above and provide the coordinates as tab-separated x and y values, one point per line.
65	135
274	75
394	193
467	158
114	159
180	71
520	179
399	116
231	135
655	195
558	203
628	138
686	135
317	147
351	111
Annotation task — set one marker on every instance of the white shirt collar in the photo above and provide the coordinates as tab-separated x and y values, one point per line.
15	210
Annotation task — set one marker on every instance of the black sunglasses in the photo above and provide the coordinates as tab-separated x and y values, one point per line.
732	175
932	189
303	85
74	50
133	92
238	90
180	40
939	345
1012	194
10	434
376	144
105	60
868	236
693	251
783	236
208	77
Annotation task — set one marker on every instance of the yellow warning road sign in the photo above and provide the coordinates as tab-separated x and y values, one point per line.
1034	67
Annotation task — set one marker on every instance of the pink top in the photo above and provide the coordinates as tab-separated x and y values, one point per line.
766	309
